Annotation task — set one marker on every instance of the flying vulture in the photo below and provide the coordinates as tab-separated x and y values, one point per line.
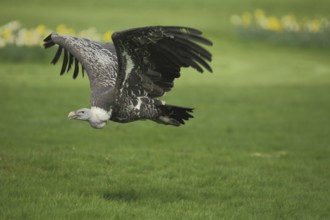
129	75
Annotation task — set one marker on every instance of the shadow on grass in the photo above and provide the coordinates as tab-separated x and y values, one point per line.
131	195
125	196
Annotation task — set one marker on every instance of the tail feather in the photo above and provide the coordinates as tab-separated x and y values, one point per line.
174	115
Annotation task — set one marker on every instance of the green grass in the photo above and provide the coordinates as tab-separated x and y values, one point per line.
258	147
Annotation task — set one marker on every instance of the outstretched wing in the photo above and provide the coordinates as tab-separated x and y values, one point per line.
99	61
150	58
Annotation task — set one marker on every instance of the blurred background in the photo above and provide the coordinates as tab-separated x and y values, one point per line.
257	148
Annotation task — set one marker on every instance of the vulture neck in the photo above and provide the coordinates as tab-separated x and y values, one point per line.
99	117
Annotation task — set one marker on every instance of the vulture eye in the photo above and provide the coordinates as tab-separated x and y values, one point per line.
83	112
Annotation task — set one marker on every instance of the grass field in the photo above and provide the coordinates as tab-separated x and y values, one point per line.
258	147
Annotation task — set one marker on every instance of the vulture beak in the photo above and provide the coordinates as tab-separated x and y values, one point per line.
72	115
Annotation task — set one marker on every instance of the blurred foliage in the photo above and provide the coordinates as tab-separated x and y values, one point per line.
18	43
286	29
13	33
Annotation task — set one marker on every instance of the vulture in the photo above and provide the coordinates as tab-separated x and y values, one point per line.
128	76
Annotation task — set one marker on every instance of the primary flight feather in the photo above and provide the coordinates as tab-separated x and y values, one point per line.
127	77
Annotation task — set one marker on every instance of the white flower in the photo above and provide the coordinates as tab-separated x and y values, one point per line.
235	20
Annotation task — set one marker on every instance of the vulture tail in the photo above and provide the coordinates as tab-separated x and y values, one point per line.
174	115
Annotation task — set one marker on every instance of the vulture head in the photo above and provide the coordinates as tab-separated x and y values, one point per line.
96	117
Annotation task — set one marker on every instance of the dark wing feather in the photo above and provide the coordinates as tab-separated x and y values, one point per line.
150	58
82	70
49	44
183	29
70	62
57	55
196	48
192	37
76	69
65	62
68	58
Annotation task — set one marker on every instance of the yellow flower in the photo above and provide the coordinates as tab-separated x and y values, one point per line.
259	14
64	30
107	36
7	35
260	18
246	19
274	24
315	26
41	29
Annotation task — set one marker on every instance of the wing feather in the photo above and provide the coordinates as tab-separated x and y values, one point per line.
194	47
99	60
70	61
192	37
186	56
76	68
65	62
170	54
159	53
195	57
49	44
183	29
82	70
57	55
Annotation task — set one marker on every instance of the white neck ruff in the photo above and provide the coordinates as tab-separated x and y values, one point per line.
99	114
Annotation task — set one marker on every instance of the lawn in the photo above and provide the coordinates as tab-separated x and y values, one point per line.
258	147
